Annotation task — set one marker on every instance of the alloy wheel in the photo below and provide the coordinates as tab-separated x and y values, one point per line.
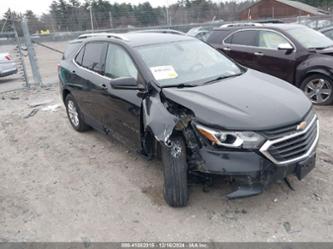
73	114
318	90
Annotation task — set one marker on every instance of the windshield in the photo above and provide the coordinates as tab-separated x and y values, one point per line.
184	62
310	38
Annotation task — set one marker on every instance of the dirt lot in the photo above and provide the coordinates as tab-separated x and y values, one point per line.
60	185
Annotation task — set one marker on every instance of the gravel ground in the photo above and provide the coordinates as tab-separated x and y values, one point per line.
60	185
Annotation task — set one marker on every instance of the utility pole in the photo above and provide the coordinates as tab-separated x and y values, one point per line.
91	18
110	16
31	52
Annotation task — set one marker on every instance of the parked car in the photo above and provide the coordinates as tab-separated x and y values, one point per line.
328	32
292	52
7	65
314	24
200	33
206	114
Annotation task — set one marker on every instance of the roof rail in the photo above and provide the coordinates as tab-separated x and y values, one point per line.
117	36
163	31
241	24
108	35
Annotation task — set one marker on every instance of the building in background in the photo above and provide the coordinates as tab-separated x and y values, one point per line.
279	9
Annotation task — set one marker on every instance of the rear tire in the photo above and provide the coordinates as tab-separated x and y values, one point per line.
175	172
319	89
74	114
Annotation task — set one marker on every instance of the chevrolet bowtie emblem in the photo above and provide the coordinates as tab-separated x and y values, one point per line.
301	126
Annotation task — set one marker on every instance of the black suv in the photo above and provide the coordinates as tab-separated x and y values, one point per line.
205	114
292	52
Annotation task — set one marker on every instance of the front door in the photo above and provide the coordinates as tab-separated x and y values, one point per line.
121	108
271	60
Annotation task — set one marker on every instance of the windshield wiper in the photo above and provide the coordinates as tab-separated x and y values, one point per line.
222	77
182	85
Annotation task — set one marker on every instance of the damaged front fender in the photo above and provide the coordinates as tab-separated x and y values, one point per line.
158	119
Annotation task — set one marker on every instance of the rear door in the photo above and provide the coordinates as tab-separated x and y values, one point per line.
271	60
88	81
242	47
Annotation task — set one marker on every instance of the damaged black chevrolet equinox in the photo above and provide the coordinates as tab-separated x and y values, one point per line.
177	97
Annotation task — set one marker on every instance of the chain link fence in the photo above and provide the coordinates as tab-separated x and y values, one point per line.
315	22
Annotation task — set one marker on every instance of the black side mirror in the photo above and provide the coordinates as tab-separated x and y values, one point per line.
125	83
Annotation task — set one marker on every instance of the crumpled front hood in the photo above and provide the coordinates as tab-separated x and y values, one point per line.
252	101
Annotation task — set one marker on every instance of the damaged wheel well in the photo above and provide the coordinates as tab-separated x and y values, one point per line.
162	119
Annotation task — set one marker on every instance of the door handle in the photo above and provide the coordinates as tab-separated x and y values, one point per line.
104	87
73	72
259	53
226	49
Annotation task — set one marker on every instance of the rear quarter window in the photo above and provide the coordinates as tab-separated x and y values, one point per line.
70	50
79	56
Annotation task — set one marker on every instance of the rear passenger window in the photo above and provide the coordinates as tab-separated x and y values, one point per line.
245	38
94	56
217	36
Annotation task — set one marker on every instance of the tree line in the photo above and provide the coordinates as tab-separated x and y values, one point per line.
74	15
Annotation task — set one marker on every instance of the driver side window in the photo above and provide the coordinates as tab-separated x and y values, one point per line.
271	40
119	64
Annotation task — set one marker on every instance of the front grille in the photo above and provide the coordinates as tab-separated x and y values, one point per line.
286	130
294	146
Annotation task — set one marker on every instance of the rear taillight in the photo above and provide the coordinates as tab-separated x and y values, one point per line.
8	57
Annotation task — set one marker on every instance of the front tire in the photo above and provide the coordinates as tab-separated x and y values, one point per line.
74	115
175	172
319	89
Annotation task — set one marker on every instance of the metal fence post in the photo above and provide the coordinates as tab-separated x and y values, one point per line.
31	52
21	58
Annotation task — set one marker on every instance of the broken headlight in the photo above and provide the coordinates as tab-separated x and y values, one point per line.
232	139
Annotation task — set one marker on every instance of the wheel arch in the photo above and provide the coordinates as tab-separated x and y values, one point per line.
303	73
158	124
65	93
322	71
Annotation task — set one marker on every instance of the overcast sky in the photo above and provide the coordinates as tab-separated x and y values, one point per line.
40	6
